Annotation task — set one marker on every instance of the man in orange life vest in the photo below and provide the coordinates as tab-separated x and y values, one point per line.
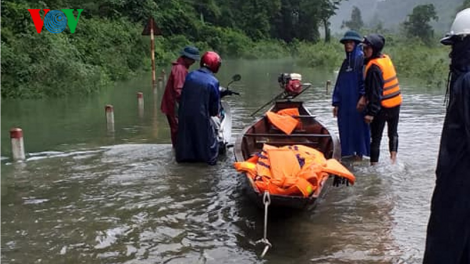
172	94
448	233
383	96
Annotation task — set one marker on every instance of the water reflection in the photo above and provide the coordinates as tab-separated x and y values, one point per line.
87	196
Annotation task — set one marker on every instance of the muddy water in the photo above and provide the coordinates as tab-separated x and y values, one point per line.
86	195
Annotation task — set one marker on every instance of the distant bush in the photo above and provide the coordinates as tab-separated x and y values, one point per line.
426	64
102	51
320	55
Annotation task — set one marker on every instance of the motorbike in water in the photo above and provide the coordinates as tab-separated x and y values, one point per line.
223	122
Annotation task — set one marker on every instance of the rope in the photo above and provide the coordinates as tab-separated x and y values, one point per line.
264	240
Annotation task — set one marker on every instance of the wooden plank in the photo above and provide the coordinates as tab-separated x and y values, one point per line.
304	116
281	144
284	135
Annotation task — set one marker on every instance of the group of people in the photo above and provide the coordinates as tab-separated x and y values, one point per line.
189	101
367	95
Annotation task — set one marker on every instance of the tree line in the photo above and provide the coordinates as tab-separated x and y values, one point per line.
107	45
416	26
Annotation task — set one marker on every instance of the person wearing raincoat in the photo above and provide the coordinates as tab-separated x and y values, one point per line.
171	96
354	133
200	100
448	233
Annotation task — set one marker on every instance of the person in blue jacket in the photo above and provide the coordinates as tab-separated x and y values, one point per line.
354	132
200	100
448	233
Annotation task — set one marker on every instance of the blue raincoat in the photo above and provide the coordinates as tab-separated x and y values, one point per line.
354	133
200	99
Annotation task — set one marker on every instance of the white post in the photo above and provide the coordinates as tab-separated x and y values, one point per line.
327	87
109	110
109	114
17	144
164	77
140	102
152	52
140	99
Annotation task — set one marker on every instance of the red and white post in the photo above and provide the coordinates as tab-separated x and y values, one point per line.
152	52
17	144
140	102
109	112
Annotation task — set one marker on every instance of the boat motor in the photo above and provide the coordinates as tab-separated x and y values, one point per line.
291	83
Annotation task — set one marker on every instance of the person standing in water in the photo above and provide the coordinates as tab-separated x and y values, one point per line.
383	97
448	233
354	132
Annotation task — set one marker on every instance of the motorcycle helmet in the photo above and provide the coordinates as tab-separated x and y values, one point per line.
211	60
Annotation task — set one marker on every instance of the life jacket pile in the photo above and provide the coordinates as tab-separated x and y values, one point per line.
291	170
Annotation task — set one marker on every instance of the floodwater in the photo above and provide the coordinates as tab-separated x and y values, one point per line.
87	195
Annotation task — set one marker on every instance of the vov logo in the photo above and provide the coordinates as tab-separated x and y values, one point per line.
55	21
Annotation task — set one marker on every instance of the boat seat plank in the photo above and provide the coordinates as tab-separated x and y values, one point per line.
304	116
284	135
290	143
277	131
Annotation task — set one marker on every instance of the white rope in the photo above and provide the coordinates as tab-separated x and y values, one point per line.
264	240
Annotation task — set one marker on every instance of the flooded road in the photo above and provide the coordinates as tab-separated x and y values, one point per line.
89	196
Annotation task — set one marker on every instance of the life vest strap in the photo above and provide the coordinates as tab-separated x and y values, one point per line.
387	88
389	96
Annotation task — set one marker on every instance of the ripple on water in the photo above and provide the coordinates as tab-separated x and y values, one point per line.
132	203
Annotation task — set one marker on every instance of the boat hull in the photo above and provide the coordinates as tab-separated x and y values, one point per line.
314	134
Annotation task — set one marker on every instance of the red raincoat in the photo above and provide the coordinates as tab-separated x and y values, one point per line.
172	95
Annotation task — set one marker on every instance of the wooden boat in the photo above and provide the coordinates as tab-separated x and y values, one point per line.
313	134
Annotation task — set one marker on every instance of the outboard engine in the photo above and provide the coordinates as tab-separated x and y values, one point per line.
290	83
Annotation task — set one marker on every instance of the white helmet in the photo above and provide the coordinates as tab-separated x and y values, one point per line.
460	27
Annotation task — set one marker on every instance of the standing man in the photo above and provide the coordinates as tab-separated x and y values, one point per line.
200	100
353	130
171	96
448	234
383	96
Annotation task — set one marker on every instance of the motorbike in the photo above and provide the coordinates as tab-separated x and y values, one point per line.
223	122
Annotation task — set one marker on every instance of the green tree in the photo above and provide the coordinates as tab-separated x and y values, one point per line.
466	4
418	22
356	22
86	60
301	19
328	9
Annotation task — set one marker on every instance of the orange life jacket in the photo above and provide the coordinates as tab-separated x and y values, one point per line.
285	123
291	170
293	112
391	94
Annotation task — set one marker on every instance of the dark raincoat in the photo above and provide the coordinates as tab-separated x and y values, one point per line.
448	234
354	133
200	99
